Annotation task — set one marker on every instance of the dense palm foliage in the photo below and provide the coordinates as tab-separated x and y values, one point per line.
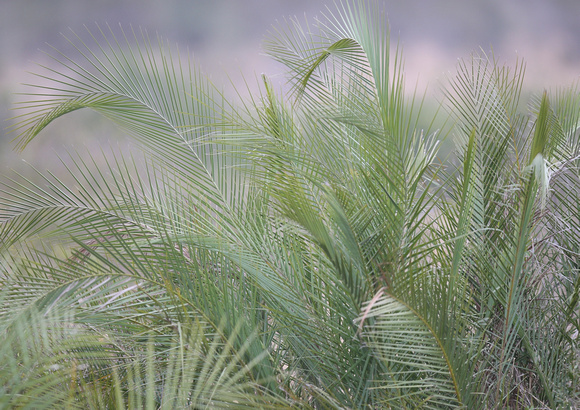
307	248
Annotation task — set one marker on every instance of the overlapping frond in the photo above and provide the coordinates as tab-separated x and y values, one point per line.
304	249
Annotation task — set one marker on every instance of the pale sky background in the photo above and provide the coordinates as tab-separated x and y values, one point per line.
225	36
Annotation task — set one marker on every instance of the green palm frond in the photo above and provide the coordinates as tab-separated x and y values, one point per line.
303	249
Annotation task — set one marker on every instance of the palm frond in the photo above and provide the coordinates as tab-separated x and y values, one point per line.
303	249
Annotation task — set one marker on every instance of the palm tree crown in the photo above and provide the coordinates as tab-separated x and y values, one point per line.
304	249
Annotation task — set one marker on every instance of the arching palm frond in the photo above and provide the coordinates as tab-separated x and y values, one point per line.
302	249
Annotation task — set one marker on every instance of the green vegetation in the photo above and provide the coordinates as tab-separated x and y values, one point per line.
305	248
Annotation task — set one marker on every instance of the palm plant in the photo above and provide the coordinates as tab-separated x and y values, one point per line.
301	249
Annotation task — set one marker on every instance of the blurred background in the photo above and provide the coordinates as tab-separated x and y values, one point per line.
225	38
